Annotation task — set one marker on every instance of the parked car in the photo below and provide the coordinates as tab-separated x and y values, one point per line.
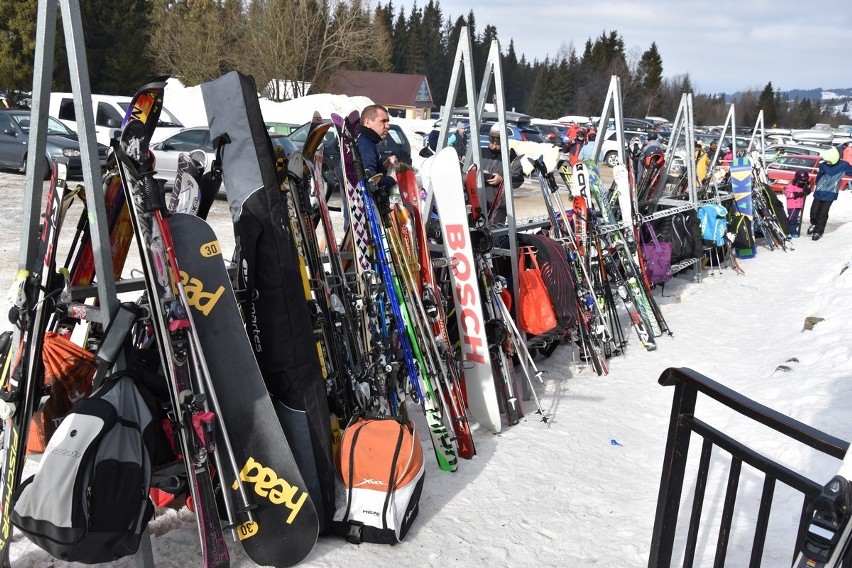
396	144
781	170
551	133
61	141
800	149
284	128
198	138
609	146
109	112
167	151
513	131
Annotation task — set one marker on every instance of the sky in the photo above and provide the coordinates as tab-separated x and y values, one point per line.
724	45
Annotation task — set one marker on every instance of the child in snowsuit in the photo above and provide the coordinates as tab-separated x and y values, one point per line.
796	192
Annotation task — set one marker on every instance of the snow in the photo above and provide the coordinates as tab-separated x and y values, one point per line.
581	490
187	104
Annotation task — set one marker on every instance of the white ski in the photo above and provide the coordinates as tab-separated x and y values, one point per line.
476	362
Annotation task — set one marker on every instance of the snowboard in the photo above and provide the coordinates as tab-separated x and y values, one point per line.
448	191
286	525
741	183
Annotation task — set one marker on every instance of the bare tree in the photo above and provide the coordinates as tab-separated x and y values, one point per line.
187	39
304	41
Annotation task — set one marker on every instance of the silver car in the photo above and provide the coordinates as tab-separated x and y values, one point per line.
167	151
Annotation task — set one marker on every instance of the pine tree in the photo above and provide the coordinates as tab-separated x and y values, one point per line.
17	50
767	102
650	77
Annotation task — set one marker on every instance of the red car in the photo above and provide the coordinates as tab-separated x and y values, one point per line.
781	171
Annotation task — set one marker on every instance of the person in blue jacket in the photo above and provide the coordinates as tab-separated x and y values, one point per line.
375	124
829	178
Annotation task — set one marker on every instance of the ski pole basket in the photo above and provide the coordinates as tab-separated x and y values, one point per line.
713	463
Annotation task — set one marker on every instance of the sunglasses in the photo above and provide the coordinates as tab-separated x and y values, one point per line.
493	139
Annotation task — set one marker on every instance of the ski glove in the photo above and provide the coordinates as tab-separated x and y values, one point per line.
798	194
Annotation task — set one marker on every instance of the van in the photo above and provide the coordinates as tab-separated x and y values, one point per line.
109	112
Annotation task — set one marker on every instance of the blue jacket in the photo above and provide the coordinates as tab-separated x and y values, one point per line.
828	179
372	158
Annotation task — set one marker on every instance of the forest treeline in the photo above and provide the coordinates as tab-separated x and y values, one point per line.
304	41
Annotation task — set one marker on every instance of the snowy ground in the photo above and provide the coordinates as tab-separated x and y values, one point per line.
581	490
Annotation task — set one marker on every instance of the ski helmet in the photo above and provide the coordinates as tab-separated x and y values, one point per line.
801	178
831	156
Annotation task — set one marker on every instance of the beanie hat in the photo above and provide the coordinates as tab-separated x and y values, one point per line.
495	130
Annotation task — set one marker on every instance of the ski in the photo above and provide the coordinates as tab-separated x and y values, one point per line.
476	360
172	330
36	291
412	354
829	530
433	299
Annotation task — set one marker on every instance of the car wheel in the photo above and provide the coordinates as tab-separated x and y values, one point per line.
611	159
45	163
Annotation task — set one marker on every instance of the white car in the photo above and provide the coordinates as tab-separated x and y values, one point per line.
108	112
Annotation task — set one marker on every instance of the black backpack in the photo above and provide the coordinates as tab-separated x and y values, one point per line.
88	502
683	231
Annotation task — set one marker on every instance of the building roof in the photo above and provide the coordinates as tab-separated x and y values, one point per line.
394	89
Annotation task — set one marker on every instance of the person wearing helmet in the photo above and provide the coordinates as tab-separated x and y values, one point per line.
796	192
829	178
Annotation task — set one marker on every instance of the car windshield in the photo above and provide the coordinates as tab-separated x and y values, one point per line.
793	162
53	125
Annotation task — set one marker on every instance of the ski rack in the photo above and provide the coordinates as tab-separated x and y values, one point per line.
759	127
463	64
682	140
92	175
613	108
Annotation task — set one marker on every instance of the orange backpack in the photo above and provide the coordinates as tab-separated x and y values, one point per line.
380	463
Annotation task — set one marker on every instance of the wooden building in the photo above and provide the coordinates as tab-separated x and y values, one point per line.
405	96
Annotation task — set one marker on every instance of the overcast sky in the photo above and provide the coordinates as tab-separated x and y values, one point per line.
724	45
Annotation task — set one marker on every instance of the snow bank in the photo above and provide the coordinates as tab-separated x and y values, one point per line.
187	104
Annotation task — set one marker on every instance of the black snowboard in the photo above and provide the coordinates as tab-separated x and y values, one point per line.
287	524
